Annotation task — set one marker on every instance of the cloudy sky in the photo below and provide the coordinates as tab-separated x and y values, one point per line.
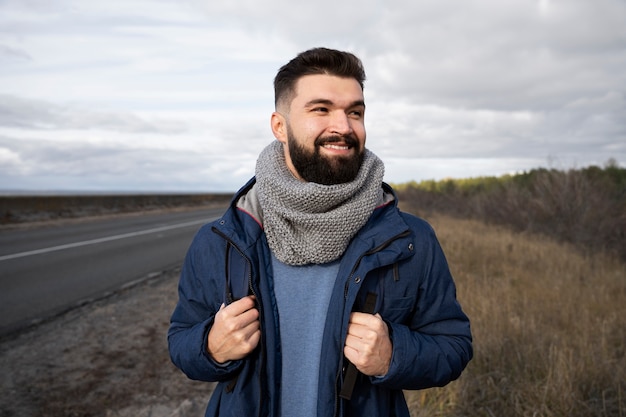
156	95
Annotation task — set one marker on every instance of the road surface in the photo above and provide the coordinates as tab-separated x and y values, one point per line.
47	270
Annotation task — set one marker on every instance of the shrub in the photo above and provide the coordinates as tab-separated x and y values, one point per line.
585	207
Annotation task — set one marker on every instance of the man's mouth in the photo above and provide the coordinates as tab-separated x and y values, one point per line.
335	146
337	143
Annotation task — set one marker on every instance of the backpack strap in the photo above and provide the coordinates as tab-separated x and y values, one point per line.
237	283
351	372
237	275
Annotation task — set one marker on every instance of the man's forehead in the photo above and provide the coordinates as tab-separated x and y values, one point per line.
328	87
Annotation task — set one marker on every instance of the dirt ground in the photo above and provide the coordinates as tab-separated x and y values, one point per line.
108	358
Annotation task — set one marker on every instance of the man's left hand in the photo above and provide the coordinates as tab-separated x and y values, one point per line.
368	345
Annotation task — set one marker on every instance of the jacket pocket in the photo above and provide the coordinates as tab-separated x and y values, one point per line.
240	396
397	309
399	293
395	293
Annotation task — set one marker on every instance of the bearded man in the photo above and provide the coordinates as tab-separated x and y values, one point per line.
314	295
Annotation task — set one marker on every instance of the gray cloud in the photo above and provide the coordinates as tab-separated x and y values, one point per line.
42	165
496	55
18	112
9	54
155	93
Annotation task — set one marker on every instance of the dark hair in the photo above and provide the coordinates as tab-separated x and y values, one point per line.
316	61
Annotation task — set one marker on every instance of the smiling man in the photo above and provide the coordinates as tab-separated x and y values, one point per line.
314	295
328	112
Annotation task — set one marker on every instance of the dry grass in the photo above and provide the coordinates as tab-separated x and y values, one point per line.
549	327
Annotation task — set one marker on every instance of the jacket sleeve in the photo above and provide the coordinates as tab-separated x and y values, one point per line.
435	345
199	297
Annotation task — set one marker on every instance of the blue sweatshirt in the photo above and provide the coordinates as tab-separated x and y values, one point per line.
302	296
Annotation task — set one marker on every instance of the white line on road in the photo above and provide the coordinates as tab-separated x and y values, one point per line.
99	240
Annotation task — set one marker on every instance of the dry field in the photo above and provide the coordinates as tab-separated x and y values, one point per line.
549	325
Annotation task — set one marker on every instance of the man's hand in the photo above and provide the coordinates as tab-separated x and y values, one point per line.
368	345
235	332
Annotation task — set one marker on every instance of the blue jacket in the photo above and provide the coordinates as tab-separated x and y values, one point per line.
395	255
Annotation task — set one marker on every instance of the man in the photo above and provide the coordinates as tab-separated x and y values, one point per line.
314	295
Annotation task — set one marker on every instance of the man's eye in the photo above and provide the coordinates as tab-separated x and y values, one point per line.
356	113
320	110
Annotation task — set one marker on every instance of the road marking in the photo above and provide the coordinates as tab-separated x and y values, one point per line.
100	240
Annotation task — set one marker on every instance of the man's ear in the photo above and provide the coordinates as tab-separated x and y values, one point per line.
279	126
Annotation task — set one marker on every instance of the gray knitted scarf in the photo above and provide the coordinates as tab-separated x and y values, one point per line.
309	223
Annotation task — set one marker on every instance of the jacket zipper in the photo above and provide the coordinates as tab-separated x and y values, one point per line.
345	295
371	252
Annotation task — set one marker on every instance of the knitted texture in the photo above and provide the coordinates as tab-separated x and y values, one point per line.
309	223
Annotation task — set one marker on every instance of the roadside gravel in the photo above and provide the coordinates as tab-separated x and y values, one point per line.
107	358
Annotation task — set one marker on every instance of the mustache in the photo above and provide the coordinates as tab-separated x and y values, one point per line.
349	140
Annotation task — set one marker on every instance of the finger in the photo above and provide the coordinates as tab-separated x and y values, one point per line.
240	306
255	338
359	345
362	322
241	322
248	317
356	353
351	343
351	354
356	332
359	330
247	338
251	326
364	319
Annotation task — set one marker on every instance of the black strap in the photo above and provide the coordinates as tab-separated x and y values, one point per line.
351	372
228	291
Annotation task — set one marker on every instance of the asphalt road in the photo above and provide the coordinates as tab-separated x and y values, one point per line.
47	270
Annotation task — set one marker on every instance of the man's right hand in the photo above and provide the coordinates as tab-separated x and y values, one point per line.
236	331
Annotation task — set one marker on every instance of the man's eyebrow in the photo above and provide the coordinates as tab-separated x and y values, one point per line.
314	102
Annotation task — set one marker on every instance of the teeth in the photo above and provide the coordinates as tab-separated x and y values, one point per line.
336	146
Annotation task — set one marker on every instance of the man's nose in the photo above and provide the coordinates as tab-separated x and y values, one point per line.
340	123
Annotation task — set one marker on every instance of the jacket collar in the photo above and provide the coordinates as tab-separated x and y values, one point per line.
243	222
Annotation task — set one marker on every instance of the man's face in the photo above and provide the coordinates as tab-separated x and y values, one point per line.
324	129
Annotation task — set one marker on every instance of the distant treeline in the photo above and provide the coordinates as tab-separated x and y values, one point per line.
585	207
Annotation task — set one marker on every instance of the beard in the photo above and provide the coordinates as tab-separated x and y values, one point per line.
314	167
